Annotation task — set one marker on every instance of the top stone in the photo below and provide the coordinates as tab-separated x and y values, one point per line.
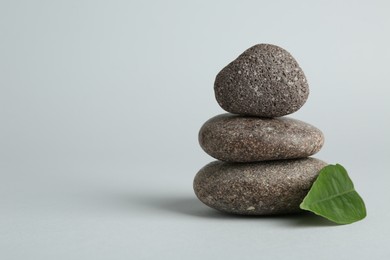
264	81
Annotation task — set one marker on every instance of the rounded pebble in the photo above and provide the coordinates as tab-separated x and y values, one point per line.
263	81
234	138
264	188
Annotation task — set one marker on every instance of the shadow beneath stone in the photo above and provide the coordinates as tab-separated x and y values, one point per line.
308	219
191	206
183	206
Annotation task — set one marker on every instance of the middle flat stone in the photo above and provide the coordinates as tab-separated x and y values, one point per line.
235	138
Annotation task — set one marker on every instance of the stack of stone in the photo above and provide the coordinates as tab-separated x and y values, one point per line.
263	166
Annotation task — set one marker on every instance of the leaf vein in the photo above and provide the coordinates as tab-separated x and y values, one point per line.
333	196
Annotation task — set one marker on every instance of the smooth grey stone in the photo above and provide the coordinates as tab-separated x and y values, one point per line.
263	81
263	188
234	138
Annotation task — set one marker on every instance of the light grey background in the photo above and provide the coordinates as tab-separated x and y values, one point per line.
101	103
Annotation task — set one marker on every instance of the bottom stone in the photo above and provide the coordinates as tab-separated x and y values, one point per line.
263	188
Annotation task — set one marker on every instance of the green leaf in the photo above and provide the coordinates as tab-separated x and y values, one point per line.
333	196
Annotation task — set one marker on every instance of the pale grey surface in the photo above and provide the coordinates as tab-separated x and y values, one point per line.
101	103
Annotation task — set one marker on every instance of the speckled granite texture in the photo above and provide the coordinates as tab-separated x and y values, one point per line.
263	188
263	81
233	138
